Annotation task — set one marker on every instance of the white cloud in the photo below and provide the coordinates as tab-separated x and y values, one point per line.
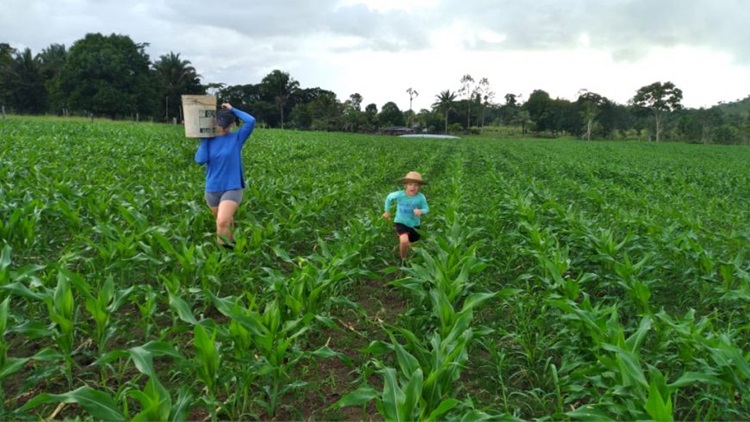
383	6
380	48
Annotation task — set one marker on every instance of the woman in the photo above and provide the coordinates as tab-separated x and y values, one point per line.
225	181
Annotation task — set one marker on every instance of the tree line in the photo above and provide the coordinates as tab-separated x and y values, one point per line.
112	76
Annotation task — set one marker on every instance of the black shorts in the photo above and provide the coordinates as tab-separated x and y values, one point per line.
413	234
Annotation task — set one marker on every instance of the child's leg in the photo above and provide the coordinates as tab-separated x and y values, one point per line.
403	244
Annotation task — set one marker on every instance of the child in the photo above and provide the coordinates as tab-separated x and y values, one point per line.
410	205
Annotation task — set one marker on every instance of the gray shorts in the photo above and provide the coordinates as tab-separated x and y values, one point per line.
214	198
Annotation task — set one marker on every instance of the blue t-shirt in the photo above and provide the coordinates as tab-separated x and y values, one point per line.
405	206
223	156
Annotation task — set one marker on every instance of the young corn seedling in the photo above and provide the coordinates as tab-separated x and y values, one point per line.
208	362
101	305
447	268
147	306
8	366
422	387
62	310
273	335
155	401
316	282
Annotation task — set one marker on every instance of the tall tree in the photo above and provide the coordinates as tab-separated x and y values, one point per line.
246	97
539	105
444	104
177	77
412	94
316	109
279	86
467	89
353	118
371	116
523	119
27	93
51	61
6	58
355	101
589	103
613	117
509	110
109	75
660	98
391	115
486	94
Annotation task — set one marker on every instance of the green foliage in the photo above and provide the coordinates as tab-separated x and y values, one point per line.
108	75
555	279
391	115
659	98
177	77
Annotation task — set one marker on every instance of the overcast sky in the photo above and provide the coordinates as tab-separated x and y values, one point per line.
380	48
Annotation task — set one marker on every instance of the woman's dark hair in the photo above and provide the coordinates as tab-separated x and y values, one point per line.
224	118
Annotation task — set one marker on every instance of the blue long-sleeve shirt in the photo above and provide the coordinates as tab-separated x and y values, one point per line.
223	156
405	206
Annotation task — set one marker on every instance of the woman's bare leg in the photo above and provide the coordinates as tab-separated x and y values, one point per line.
225	220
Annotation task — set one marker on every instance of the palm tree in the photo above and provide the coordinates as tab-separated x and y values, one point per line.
412	94
51	61
6	58
444	104
281	86
178	77
27	92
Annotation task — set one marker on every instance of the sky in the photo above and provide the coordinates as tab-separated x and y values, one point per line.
382	48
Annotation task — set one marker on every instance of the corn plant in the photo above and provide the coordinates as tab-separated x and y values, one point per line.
447	266
208	361
14	276
7	366
155	401
62	310
422	387
273	335
147	305
266	343
101	305
316	282
599	237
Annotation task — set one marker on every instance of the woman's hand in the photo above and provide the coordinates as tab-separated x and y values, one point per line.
226	106
417	212
387	215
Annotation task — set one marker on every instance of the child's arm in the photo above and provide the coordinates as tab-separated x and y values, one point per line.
388	200
423	207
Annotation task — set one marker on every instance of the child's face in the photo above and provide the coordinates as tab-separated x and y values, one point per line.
411	188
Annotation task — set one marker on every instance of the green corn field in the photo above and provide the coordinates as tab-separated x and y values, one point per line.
556	279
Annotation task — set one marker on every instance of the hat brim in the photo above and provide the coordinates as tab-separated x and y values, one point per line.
407	180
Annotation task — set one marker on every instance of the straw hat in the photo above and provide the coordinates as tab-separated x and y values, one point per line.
413	176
